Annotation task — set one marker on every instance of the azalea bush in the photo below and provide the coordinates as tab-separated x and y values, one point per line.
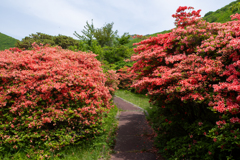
50	98
111	81
126	78
192	78
139	36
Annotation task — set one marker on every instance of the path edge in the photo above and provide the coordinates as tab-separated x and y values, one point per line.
145	111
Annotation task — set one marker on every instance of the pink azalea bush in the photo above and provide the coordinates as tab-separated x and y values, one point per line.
126	78
50	98
139	36
112	81
192	76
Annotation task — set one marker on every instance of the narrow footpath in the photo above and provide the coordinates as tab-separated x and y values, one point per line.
134	135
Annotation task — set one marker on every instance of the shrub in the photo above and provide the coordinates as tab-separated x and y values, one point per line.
116	53
50	98
111	81
122	64
126	78
192	78
41	38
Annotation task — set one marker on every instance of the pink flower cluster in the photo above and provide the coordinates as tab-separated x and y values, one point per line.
51	89
198	62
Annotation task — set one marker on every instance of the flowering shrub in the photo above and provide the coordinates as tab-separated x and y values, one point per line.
192	76
126	78
50	98
139	36
111	81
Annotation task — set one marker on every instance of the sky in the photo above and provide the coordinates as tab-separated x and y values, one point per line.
20	18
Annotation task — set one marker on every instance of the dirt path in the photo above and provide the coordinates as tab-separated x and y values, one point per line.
134	136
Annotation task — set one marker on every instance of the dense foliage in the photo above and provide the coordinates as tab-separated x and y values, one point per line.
109	47
105	36
41	38
6	42
51	98
117	53
192	77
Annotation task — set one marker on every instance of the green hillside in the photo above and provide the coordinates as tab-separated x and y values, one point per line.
223	14
6	42
136	40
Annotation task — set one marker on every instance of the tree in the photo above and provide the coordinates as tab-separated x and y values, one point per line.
64	41
88	33
117	53
105	35
124	39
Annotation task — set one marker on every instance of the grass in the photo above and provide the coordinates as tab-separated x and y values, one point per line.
140	100
6	41
98	149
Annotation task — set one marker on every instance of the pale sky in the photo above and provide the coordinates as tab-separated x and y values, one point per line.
20	18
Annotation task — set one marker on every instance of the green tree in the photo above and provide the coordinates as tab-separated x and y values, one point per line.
105	35
124	39
65	41
104	42
116	53
97	49
88	33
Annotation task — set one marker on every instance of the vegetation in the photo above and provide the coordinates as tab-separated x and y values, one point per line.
43	39
105	36
137	39
192	78
195	97
140	100
88	34
51	98
223	15
106	44
98	148
6	42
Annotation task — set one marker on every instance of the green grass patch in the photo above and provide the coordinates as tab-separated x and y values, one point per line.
6	41
100	147
140	100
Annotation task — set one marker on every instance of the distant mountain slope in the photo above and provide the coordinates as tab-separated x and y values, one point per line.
6	41
221	15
